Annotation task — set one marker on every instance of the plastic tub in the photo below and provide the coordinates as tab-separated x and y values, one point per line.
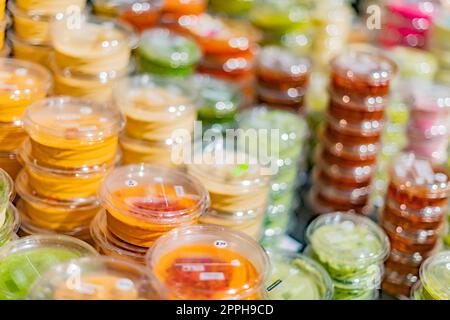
435	278
96	46
167	53
297	277
144	202
11	136
48	213
23	260
23	83
72	133
9	223
155	108
10	164
208	262
67	185
100	278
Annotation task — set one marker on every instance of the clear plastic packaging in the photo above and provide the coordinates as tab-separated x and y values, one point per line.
208	262
23	260
435	278
99	278
144	202
9	223
10	163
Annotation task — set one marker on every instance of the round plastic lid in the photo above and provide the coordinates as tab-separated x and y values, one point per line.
23	260
72	118
347	238
435	275
208	262
168	48
154	193
365	65
96	278
297	277
278	60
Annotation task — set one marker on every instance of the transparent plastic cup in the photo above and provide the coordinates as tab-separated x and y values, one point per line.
73	133
208	262
23	260
10	164
97	278
435	278
143	202
23	84
12	135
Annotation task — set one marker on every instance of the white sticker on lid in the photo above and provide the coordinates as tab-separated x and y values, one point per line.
131	183
208	276
220	244
179	190
124	284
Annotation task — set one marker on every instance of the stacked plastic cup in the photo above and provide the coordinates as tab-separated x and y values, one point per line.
347	155
166	53
160	114
283	78
288	153
73	144
31	36
141	14
413	218
90	56
407	23
434	279
288	23
352	249
142	203
23	83
428	130
208	263
440	46
238	185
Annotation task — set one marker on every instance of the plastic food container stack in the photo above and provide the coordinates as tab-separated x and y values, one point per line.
141	203
73	144
352	250
413	218
288	151
346	158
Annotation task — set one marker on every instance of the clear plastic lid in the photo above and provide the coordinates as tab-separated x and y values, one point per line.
297	277
435	276
168	49
154	194
417	176
97	278
9	223
347	239
364	128
278	64
208	262
72	119
354	103
23	260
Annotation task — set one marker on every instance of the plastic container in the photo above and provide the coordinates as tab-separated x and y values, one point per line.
49	6
167	53
23	83
352	249
180	8
156	108
60	184
11	136
9	223
10	164
93	47
108	244
98	278
23	260
143	202
297	277
435	278
208	262
72	133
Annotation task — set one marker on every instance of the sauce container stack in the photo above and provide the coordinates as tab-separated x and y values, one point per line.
73	143
283	79
413	218
167	53
429	121
407	23
141	14
440	45
208	263
288	152
90	56
141	203
347	154
160	114
237	184
352	249
31	35
22	83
